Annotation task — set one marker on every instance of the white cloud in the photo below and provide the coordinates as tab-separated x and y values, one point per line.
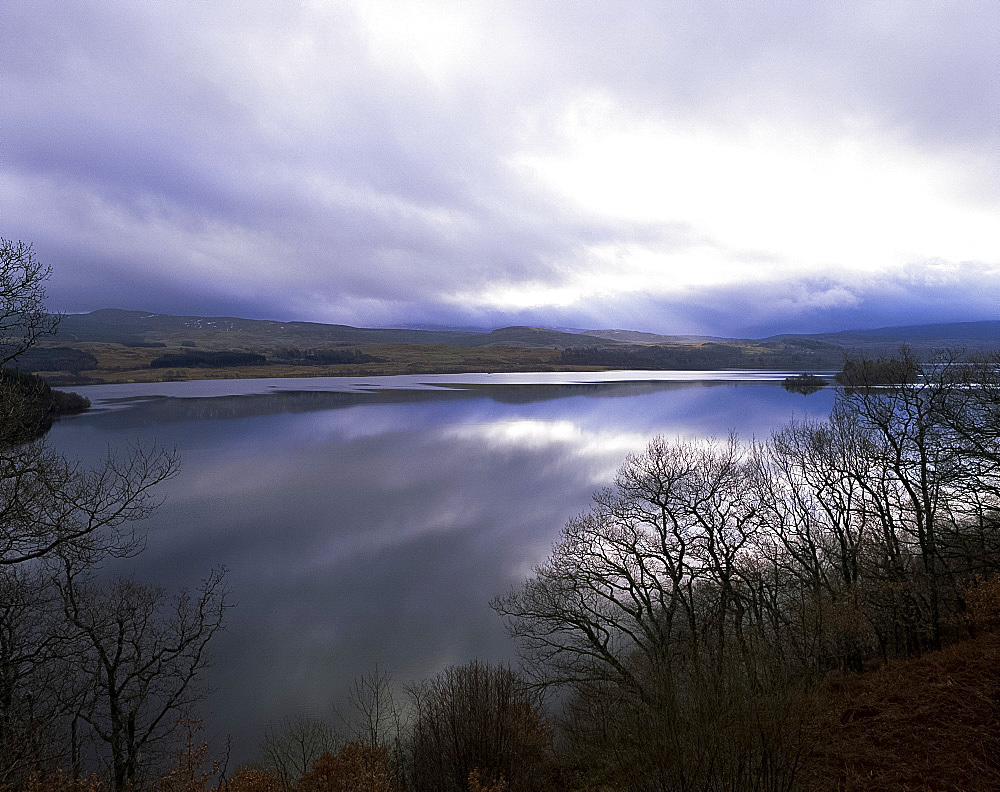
574	438
373	162
764	201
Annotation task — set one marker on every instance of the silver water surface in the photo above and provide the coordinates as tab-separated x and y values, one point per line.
371	521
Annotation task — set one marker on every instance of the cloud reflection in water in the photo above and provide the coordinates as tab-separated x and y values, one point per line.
365	528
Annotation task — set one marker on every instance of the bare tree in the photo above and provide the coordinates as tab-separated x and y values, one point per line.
23	318
53	512
50	506
933	452
372	717
122	658
141	654
816	480
690	609
376	719
652	609
477	717
290	747
653	570
34	690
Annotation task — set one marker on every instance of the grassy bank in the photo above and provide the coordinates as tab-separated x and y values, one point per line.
127	364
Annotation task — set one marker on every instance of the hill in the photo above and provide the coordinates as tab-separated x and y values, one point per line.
925	338
534	337
112	345
970	336
139	328
638	337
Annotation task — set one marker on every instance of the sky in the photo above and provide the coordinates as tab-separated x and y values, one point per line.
725	168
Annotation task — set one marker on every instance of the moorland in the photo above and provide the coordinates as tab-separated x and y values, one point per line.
113	345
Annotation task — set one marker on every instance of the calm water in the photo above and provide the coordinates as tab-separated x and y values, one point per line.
370	521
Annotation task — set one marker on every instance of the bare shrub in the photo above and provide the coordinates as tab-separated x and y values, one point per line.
291	747
477	717
355	768
983	604
252	779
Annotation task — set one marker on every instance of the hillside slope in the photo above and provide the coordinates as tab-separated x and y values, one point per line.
969	336
139	328
113	345
929	723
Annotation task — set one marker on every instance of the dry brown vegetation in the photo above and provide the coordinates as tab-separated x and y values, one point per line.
118	363
927	724
123	363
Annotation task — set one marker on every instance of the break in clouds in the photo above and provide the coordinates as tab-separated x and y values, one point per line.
731	169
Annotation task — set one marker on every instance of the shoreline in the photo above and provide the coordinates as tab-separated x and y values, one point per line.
64	380
107	393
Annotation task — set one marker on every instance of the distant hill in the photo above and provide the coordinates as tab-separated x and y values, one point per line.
638	337
113	345
973	336
143	328
970	336
536	337
116	326
133	328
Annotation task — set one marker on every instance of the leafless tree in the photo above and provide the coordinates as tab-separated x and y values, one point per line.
34	690
122	658
652	571
50	506
372	716
289	748
141	655
477	717
23	318
54	512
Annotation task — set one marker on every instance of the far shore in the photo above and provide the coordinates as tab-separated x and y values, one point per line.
62	379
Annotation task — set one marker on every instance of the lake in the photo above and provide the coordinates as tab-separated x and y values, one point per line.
370	520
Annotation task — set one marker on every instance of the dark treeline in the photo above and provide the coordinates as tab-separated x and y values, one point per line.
190	358
325	356
205	359
863	372
28	406
804	383
55	359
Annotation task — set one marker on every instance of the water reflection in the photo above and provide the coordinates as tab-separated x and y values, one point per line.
364	527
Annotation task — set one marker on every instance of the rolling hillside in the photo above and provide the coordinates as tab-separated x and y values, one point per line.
139	328
970	336
113	345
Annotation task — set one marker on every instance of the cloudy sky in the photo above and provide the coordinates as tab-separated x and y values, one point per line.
734	168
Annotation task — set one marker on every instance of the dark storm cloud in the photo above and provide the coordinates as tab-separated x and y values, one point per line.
283	160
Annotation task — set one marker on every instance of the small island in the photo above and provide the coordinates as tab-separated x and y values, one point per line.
804	383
